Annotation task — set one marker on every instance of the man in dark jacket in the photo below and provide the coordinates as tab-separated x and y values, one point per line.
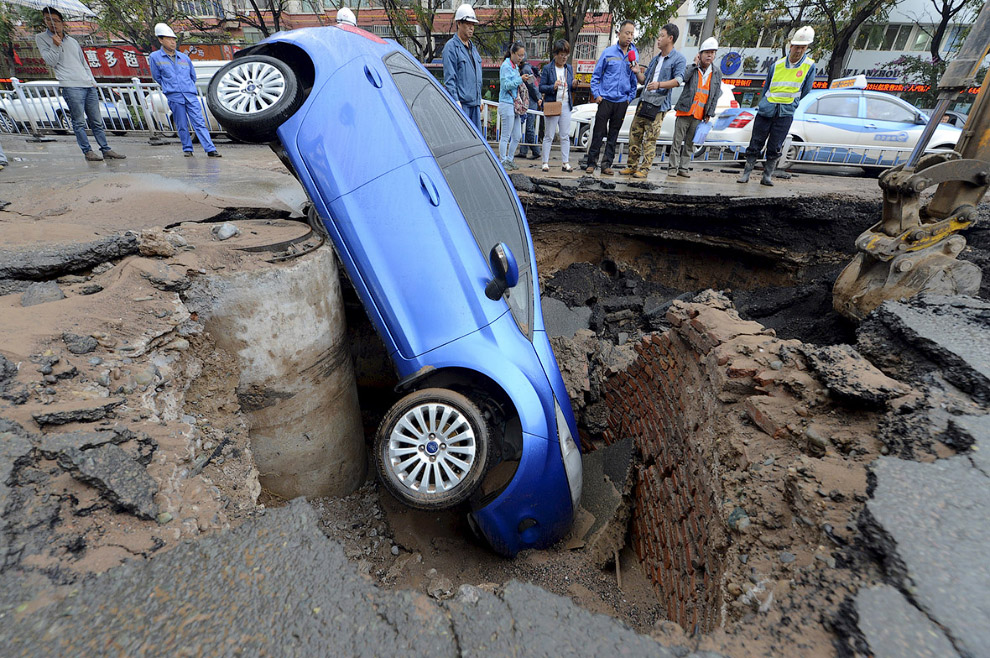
697	105
665	72
535	103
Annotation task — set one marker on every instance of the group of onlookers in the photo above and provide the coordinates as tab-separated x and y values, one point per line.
615	82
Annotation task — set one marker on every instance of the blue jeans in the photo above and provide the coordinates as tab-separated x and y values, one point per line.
3	157
530	132
511	131
773	131
84	106
473	114
185	111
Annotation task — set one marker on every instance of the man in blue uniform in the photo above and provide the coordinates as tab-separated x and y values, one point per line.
462	66
613	85
174	73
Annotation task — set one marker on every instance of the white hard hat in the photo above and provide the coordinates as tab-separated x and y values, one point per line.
803	37
162	30
711	43
346	17
465	13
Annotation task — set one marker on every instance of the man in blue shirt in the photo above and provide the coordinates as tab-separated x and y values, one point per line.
462	66
174	73
613	85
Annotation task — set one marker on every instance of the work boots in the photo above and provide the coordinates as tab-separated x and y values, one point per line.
747	170
768	168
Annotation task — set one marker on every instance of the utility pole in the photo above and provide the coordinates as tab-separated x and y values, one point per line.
708	27
512	22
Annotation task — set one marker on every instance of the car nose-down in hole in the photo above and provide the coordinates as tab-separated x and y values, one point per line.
436	244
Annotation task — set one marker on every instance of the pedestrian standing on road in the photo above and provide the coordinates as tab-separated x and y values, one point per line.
462	66
556	82
78	86
665	72
613	85
697	105
535	103
788	81
3	159
174	73
510	80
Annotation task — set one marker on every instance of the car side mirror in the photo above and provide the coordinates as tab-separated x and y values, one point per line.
506	271
921	119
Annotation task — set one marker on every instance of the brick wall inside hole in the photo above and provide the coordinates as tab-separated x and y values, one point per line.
669	406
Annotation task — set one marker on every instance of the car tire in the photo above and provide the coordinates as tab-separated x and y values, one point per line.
64	123
238	107
584	136
7	124
118	133
446	423
789	154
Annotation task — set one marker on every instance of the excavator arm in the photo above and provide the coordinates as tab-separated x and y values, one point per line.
913	248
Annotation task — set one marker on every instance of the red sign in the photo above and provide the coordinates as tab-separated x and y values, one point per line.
117	62
198	51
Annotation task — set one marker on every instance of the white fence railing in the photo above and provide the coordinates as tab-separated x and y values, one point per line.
38	107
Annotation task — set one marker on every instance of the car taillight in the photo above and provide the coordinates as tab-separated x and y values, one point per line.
734	104
742	120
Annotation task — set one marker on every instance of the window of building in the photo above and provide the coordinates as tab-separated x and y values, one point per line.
586	46
203	8
922	38
537	47
954	36
252	35
694	33
895	37
773	37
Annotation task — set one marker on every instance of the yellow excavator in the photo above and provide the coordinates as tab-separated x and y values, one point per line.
913	248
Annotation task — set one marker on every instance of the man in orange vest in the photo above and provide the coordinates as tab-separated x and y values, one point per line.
702	86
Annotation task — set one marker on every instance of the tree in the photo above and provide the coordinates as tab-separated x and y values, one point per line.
412	24
923	70
266	16
947	11
648	15
134	20
842	19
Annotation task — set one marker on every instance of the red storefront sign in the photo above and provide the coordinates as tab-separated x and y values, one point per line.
117	62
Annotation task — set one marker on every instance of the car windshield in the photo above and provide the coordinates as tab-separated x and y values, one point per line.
484	198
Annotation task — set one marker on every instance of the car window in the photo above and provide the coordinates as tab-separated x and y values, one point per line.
885	110
837	106
484	198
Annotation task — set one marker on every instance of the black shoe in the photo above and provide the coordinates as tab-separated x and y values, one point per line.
214	154
187	154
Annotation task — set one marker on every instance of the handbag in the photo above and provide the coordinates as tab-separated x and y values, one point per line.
521	102
701	132
552	108
647	110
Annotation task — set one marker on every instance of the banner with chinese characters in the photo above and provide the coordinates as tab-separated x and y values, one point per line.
116	62
198	51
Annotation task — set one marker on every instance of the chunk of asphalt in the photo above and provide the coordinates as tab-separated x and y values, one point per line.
851	377
83	411
53	444
79	344
41	293
116	475
53	260
928	523
893	628
971	433
606	494
929	333
15	448
8	370
562	320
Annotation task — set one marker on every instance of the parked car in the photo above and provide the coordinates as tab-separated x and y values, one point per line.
205	70
49	110
436	244
583	117
951	117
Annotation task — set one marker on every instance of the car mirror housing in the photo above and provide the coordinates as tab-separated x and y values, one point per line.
505	269
921	119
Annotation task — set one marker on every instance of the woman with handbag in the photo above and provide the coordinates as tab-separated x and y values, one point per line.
556	81
513	103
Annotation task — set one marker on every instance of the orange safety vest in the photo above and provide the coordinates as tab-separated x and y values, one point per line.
700	99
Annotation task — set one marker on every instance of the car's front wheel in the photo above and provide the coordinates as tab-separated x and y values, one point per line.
254	95
7	124
584	136
432	449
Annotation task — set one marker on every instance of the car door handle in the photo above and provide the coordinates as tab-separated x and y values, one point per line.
812	120
430	189
872	126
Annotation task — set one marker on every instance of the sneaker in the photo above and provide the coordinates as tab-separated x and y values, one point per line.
684	173
545	167
535	155
639	174
567	168
628	171
113	155
93	156
607	171
214	154
590	169
187	154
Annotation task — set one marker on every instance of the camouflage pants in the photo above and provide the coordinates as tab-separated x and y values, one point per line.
643	135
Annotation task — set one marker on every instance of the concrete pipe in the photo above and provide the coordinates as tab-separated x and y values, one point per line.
286	326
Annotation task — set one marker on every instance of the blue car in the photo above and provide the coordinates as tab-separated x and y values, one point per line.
435	241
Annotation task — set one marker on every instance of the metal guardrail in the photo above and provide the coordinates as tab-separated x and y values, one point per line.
38	108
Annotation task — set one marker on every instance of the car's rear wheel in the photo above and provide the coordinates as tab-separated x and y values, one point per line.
64	123
789	154
254	95
584	136
432	449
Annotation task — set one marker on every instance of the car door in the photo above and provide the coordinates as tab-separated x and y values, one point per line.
832	119
889	122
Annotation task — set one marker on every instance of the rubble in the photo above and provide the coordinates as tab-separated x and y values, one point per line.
851	377
609	476
79	411
117	475
41	293
48	261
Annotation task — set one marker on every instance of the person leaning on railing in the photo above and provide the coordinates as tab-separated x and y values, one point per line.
556	82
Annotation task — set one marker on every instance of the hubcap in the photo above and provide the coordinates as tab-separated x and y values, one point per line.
432	448
250	88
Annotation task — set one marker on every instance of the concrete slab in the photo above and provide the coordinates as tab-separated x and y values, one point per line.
893	628
972	433
562	320
931	521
